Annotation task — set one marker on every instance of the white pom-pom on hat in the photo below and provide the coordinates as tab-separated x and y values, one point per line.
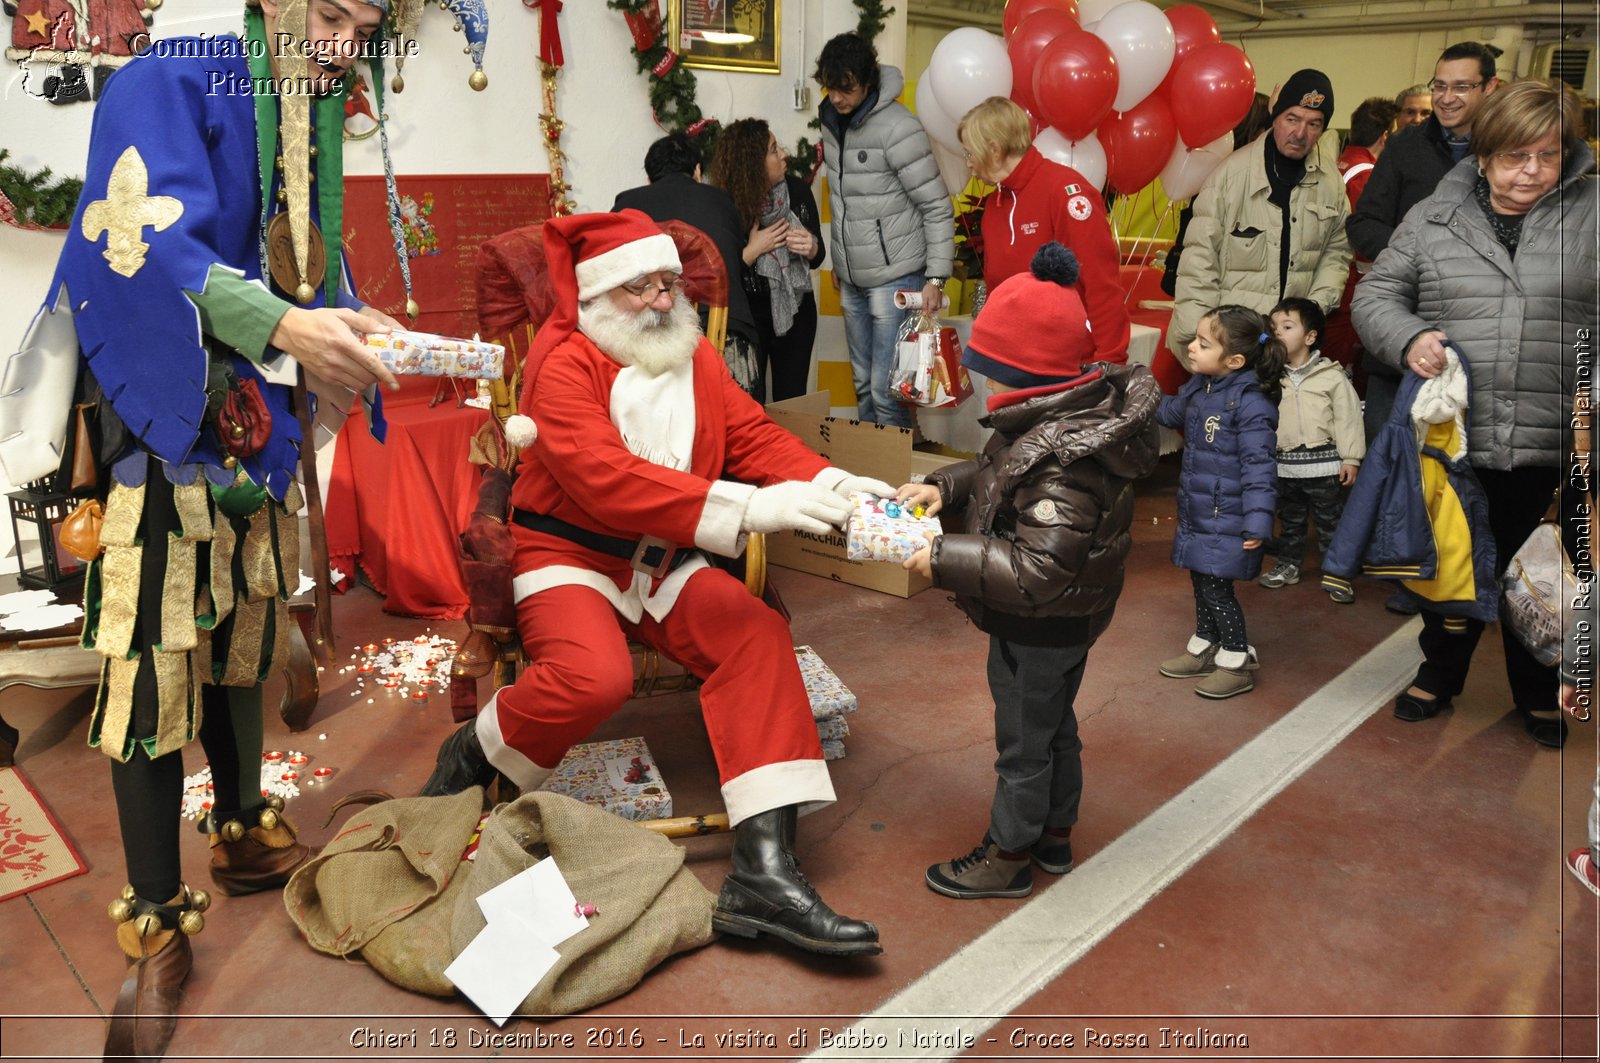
521	430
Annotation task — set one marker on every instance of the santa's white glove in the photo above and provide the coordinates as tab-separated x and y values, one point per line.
794	505
843	484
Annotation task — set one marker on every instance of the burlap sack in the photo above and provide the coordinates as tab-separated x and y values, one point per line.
392	887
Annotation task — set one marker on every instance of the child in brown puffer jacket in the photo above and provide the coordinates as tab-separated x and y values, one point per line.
1037	533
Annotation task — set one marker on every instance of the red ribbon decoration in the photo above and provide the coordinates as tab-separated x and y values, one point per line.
549	30
664	67
645	25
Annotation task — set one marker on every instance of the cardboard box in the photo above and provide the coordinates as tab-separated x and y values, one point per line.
874	450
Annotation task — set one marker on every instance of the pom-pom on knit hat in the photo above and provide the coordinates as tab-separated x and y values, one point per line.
1033	330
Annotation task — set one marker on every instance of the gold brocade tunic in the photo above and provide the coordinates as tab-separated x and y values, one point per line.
214	612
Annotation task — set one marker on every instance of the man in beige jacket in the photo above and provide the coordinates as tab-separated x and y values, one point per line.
1269	222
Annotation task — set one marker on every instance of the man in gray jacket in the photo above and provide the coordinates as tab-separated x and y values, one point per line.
893	227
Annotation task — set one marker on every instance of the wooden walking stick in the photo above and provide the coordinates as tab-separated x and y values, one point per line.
319	532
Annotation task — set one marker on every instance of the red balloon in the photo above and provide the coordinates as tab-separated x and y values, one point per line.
1017	12
1024	47
1138	144
1217	84
1191	27
1075	81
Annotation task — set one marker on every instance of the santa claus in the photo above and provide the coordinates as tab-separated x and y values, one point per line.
620	495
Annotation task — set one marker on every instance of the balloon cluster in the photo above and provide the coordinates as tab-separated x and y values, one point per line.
1117	89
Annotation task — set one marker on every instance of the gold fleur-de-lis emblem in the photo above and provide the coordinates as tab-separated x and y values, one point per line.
125	212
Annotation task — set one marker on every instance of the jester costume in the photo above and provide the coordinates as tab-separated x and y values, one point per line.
173	290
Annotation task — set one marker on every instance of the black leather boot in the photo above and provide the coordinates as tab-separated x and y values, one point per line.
766	893
461	764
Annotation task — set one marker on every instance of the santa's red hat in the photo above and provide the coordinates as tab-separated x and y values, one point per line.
588	255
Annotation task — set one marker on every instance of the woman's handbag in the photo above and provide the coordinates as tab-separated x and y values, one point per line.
1540	584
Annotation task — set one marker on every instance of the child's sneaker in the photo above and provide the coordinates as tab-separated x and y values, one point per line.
1053	852
1283	574
1232	676
1581	863
1343	594
982	873
1198	658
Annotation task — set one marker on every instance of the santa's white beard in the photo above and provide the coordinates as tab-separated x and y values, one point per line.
653	340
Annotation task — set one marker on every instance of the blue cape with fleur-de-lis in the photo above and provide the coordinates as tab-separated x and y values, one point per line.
172	188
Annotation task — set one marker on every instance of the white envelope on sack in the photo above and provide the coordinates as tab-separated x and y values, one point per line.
36	388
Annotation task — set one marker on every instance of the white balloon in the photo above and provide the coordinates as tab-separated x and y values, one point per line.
1187	170
1087	156
1141	38
967	67
952	167
939	126
1091	11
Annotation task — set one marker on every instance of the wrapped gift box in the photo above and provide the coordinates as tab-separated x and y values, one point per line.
829	697
833	749
880	530
619	776
833	728
425	354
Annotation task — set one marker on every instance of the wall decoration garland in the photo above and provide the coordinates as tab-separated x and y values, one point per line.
560	202
551	59
37	200
672	85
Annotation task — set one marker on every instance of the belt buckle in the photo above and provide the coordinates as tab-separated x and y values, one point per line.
648	547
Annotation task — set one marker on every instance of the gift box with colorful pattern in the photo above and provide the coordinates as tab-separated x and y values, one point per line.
829	697
619	776
425	354
880	529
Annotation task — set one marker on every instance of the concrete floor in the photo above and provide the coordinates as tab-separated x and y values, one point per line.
1289	874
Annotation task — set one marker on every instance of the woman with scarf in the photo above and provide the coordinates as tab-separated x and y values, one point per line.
785	245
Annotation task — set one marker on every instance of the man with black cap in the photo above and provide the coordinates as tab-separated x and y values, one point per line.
1269	222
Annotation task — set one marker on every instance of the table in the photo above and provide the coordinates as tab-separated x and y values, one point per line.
957	426
397	509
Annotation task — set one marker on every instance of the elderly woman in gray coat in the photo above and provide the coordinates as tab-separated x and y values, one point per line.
1500	260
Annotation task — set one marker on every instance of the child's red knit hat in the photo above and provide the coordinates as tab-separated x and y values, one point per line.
1033	330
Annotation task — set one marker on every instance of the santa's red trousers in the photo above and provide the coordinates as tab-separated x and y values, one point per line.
580	672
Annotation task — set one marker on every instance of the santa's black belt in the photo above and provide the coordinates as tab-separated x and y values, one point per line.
650	555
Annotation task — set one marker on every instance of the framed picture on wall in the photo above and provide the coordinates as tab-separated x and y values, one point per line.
726	34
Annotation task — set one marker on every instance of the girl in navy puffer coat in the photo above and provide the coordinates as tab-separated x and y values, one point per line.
1228	488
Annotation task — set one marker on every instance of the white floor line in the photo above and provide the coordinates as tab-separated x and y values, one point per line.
996	973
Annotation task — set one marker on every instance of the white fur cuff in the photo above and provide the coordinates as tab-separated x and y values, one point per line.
723	517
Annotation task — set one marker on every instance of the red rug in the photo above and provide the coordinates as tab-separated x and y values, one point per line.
34	850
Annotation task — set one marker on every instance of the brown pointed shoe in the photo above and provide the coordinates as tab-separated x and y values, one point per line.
147	1004
263	859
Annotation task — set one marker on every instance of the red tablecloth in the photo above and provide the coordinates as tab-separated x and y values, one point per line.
397	509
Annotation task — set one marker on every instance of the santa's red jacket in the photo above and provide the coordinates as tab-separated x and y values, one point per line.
628	455
1042	200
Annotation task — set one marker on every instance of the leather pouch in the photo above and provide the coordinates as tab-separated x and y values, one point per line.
80	531
244	424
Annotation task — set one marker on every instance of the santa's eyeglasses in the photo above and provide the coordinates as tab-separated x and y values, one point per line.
649	290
